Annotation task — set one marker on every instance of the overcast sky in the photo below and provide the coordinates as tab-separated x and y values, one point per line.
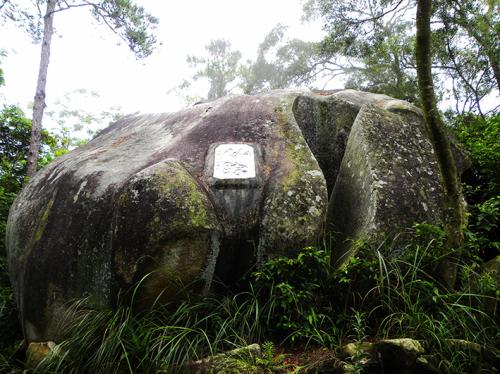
86	55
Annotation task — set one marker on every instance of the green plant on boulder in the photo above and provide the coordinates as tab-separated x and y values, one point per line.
291	290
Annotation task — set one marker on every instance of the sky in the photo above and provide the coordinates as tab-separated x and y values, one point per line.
86	55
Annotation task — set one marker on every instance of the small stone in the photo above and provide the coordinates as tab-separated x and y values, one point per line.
406	344
206	364
36	352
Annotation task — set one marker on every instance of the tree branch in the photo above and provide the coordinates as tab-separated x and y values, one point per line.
70	6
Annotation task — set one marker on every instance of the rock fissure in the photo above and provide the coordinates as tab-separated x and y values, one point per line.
141	202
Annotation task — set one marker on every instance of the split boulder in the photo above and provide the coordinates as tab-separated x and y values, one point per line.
187	201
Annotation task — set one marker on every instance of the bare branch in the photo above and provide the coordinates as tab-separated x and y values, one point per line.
70	6
4	2
380	16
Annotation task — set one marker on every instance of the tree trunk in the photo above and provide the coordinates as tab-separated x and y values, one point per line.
39	103
454	215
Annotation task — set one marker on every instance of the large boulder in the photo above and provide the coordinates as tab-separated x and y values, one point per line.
191	200
173	201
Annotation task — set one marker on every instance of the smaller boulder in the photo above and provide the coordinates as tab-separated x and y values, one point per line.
36	352
388	180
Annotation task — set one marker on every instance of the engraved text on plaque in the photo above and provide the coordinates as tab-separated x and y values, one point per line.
234	161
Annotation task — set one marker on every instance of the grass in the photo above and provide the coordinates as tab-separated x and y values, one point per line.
305	309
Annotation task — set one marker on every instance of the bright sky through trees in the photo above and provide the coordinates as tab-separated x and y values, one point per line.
87	56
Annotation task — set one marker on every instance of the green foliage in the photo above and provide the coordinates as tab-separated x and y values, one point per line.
368	42
281	63
9	323
6	200
482	183
482	233
371	43
15	132
164	339
270	361
297	301
129	21
466	44
480	137
390	293
290	290
2	78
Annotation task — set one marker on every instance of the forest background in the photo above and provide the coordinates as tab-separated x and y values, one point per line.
365	44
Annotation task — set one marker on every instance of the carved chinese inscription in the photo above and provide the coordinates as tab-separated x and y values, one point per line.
234	161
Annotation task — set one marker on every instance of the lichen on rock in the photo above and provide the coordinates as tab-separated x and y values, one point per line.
141	207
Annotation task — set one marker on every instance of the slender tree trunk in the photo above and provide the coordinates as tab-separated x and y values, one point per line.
39	104
454	215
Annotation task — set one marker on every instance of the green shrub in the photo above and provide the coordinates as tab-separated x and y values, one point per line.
9	324
480	137
482	184
388	293
291	290
482	235
163	339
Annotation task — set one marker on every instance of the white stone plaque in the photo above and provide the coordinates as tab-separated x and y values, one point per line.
234	161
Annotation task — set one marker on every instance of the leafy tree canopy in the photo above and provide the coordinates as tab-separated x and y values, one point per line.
370	43
2	79
281	62
15	132
219	66
126	19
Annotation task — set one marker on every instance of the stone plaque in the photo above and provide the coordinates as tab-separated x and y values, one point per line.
234	161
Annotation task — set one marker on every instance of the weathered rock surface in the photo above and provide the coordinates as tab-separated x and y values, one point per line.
407	356
402	356
388	179
179	200
142	201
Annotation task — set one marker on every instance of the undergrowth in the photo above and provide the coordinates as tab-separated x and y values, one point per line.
297	303
301	303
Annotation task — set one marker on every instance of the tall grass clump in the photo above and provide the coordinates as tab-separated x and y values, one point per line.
161	340
294	296
300	302
390	291
402	297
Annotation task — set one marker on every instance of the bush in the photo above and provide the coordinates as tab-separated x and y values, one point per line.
291	291
9	323
482	184
294	302
480	137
